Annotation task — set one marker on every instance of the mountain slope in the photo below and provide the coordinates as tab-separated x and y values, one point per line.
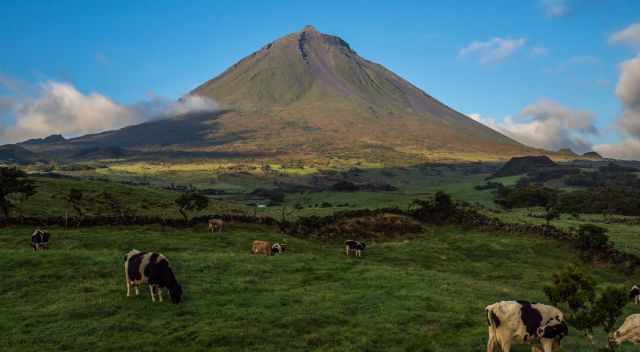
318	82
308	95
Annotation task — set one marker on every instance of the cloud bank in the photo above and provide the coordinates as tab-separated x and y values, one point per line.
629	36
59	108
556	8
628	124
493	50
548	125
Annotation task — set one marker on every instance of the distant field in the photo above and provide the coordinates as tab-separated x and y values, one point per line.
625	237
426	294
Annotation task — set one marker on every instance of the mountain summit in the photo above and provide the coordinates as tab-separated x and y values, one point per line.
316	83
309	94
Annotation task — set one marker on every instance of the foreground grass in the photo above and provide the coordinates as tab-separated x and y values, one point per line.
427	294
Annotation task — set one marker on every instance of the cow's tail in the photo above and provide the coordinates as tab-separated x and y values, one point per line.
492	319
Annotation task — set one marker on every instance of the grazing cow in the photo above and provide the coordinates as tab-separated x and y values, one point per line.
152	269
216	225
40	240
522	322
277	248
634	294
355	247
262	247
629	331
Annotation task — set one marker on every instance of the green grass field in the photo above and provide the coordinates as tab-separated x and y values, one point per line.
427	294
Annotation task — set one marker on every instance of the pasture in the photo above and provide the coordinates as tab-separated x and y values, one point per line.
427	294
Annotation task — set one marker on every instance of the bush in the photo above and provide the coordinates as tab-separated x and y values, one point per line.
345	186
588	310
592	239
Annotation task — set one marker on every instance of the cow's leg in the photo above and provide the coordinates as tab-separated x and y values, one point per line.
137	290
153	297
347	250
551	346
160	294
492	341
126	281
504	341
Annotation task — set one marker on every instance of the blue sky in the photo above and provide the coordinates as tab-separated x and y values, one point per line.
527	56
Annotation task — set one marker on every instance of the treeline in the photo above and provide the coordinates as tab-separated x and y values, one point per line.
611	189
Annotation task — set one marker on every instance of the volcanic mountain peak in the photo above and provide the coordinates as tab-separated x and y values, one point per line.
309	94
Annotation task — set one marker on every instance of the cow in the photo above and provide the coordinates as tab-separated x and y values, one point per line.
216	225
40	240
355	247
152	269
629	331
262	247
521	322
634	294
277	248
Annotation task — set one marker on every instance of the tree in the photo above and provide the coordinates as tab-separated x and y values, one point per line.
576	292
295	206
74	200
14	187
551	214
191	201
115	206
592	239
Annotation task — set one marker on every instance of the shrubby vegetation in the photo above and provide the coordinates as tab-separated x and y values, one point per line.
587	306
191	201
15	188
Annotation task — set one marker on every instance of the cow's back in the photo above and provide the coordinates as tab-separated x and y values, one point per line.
630	330
138	265
509	313
263	247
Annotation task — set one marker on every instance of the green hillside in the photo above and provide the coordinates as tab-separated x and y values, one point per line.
427	294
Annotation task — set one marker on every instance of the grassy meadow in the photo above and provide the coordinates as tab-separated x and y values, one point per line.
427	294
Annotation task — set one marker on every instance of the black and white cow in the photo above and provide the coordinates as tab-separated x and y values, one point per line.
355	247
40	240
277	248
521	322
634	294
152	269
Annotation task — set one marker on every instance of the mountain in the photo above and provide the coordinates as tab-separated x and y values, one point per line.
15	154
308	94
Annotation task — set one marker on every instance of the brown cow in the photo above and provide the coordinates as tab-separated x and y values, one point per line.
262	247
216	225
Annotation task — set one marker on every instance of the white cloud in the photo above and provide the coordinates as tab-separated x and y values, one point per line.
628	36
628	91
548	125
628	124
475	117
61	108
539	51
628	149
556	8
573	62
491	51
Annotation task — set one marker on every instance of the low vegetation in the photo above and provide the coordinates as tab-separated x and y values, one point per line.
433	260
427	294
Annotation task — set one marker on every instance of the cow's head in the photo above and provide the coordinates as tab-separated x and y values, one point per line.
176	293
